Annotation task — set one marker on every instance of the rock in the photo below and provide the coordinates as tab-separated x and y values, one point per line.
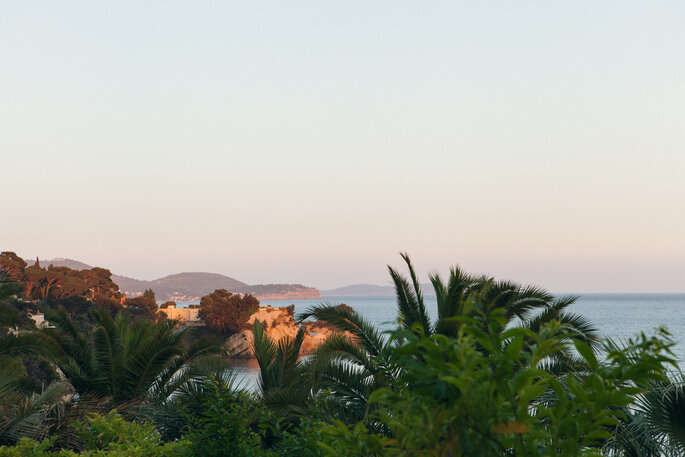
278	323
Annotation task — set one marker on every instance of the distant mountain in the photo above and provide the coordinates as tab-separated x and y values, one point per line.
370	290
120	281
191	286
181	286
359	290
69	263
281	291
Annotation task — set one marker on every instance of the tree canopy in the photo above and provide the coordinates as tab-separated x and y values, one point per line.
51	283
145	304
224	311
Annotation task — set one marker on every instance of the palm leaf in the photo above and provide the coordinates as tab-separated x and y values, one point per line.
345	320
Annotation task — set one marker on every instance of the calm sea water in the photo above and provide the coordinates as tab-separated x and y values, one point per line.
616	316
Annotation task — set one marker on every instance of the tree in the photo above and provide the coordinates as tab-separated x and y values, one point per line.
33	278
99	280
655	425
77	306
11	314
282	376
123	359
58	282
25	397
145	304
224	311
352	367
351	364
41	283
13	265
22	414
485	392
71	283
111	304
525	306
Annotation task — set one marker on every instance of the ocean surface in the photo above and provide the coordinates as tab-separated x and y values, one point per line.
615	315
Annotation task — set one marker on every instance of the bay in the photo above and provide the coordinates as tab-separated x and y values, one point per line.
617	316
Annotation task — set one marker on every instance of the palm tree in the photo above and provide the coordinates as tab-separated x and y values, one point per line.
282	376
126	360
528	306
350	365
191	398
525	306
655	427
34	343
25	415
356	362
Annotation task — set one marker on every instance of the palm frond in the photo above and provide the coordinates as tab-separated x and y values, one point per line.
420	306
346	320
407	305
29	343
663	406
339	347
25	417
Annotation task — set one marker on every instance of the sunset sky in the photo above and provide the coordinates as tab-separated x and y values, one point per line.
311	141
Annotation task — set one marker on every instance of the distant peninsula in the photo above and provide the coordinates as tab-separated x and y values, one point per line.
368	290
191	286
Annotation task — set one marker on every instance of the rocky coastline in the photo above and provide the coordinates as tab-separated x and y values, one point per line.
278	323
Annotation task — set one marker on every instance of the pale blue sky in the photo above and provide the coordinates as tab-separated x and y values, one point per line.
311	141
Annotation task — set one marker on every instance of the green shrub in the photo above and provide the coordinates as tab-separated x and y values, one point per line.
222	429
111	435
486	393
357	441
104	436
289	438
32	448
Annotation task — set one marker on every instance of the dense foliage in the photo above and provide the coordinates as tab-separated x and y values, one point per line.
104	436
504	370
53	282
125	359
144	305
224	311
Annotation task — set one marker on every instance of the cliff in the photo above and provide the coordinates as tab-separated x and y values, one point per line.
279	323
280	292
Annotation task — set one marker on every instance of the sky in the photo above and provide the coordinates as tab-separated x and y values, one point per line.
312	141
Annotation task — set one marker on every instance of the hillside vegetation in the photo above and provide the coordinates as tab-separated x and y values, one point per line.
502	369
190	286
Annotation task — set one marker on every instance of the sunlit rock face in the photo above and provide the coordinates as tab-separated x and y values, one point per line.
278	323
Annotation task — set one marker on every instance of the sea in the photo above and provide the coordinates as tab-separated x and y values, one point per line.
617	316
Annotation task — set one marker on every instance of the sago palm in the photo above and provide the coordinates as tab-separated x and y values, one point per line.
123	359
283	382
25	414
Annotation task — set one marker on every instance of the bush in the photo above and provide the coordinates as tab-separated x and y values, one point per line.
486	393
222	429
104	436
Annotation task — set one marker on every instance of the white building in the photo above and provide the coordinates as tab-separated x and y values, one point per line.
187	316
